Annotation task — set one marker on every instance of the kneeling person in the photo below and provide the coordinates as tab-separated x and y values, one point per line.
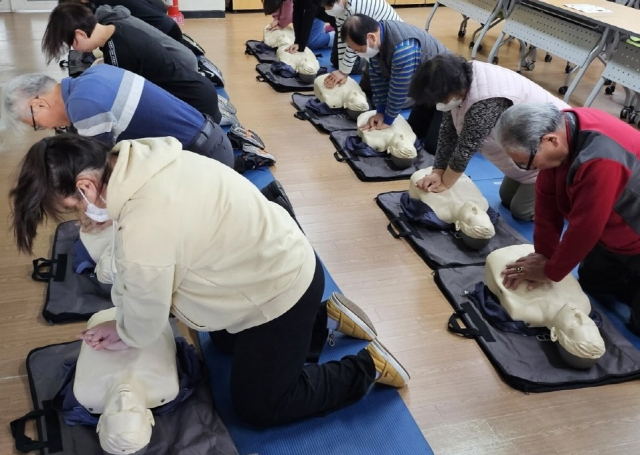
222	259
111	104
125	46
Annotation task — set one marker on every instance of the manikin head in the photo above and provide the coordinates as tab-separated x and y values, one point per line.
576	332
126	423
474	222
402	151
356	100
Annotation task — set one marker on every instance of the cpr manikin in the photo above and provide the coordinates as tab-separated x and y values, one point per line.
398	140
561	307
278	36
304	63
123	386
463	205
348	95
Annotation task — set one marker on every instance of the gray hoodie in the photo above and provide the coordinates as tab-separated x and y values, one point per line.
108	15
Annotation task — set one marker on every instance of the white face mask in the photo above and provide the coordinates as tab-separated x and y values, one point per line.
94	212
370	52
336	10
455	102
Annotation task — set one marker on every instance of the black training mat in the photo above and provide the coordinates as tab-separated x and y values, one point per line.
441	248
192	428
252	47
279	83
530	363
339	121
375	168
70	296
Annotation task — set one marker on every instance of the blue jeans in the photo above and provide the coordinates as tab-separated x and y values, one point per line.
318	39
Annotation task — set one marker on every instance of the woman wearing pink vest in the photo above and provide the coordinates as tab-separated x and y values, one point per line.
472	96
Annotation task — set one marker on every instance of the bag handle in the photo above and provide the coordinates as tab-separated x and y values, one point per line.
302	115
402	228
40	274
342	156
25	444
455	327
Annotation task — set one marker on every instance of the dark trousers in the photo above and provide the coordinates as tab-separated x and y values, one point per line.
212	142
425	122
270	383
605	272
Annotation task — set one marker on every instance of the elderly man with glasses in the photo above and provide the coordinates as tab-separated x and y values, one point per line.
588	166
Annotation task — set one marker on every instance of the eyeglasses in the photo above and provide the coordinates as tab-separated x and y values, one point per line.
33	120
529	163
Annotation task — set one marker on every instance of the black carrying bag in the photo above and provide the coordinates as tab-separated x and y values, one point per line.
340	121
192	428
210	71
531	363
280	83
375	168
259	50
441	248
70	296
77	62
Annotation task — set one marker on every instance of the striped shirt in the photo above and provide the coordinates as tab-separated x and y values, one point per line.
389	95
379	10
111	104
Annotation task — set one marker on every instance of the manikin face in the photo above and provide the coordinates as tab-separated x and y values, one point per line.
475	222
577	333
125	425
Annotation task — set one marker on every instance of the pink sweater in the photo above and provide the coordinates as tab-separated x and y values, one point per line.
284	15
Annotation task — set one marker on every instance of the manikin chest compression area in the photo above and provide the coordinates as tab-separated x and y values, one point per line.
562	307
463	205
348	95
123	386
278	36
304	63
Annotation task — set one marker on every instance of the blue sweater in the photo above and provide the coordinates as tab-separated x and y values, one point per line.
111	104
389	95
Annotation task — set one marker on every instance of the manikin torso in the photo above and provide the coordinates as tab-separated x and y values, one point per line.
562	307
279	36
151	371
348	95
462	204
301	62
398	139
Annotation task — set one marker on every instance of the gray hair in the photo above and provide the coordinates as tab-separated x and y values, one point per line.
522	126
16	94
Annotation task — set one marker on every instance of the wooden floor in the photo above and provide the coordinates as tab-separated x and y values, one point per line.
455	395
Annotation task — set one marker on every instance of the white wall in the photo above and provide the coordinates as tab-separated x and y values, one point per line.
201	5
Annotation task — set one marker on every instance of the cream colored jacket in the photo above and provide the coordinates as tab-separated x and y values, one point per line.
196	239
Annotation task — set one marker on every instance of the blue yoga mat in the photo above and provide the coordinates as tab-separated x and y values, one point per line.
379	424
